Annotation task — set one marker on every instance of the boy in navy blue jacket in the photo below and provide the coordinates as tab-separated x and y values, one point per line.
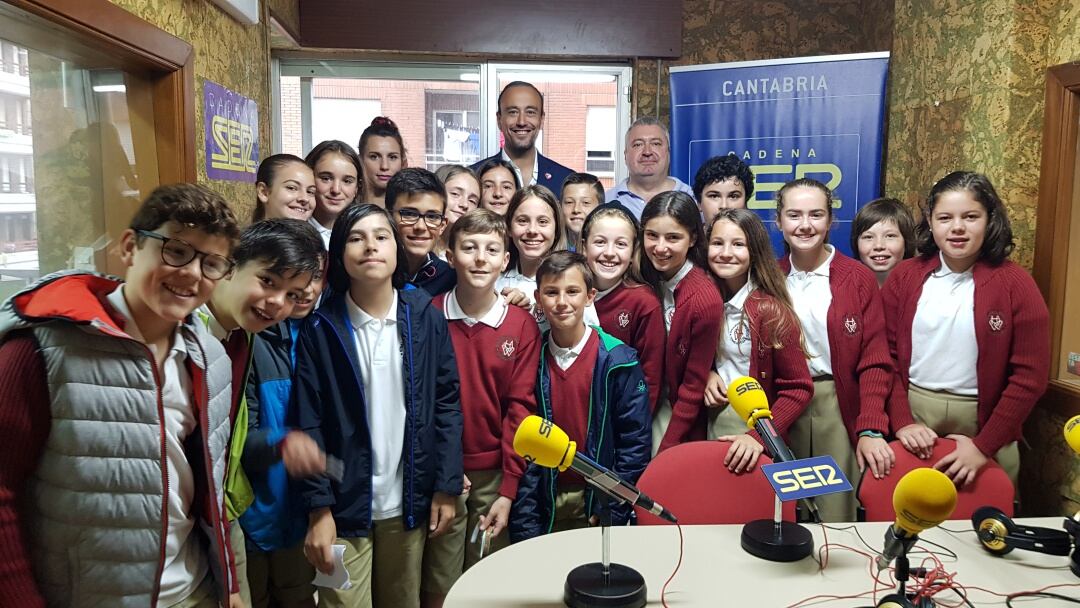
376	386
590	384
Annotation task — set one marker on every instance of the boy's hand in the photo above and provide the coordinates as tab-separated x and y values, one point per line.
235	601
302	456
466	484
715	391
743	453
498	516
516	297
319	543
442	513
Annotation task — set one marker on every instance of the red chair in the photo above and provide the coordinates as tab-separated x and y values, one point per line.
992	486
691	481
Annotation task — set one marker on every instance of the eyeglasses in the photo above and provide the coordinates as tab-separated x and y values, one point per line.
433	219
178	253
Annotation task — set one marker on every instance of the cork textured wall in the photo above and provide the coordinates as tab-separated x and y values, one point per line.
226	52
287	12
967	92
718	31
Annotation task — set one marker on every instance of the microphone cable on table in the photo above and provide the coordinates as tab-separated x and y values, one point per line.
663	590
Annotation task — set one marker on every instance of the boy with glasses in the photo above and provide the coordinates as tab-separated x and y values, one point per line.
417	201
114	417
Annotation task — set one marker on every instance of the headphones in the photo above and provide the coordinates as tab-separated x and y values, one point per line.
999	534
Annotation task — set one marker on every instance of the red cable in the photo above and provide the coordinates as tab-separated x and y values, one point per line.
663	591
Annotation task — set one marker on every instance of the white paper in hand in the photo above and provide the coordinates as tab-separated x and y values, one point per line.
340	577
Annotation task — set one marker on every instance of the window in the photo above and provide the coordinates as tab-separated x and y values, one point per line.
446	112
83	133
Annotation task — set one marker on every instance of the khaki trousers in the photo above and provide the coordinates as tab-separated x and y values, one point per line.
280	578
239	548
447	556
948	413
570	510
820	431
204	596
384	568
661	420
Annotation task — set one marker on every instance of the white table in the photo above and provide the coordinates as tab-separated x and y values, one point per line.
716	571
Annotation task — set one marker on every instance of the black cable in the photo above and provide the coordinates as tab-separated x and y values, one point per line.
1009	598
967	602
956	531
946	551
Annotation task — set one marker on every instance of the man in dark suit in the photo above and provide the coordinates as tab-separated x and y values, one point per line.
520	117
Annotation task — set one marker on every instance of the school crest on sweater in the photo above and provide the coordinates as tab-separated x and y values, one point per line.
851	324
507	347
997	323
624	319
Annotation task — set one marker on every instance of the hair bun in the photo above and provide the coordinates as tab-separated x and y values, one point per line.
383	121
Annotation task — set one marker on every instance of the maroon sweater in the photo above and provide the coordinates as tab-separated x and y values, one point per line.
782	372
571	391
634	315
497	369
688	358
862	368
1012	331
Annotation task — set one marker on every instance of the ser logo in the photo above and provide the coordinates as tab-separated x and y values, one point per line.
805	478
750	385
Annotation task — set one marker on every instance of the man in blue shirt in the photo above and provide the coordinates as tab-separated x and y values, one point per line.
520	117
647	159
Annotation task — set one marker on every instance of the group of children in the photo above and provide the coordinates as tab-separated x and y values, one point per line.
378	413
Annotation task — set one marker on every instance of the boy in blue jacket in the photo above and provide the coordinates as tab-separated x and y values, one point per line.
590	384
376	386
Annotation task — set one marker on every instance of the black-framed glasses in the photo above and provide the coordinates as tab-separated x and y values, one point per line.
433	219
178	253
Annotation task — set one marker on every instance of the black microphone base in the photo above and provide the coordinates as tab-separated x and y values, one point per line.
587	587
896	600
794	542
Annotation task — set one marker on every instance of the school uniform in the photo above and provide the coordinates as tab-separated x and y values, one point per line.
513	278
632	314
595	391
839	308
690	302
435	276
747	348
382	396
497	355
1007	346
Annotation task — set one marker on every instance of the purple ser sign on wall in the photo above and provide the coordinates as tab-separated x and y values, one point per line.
232	133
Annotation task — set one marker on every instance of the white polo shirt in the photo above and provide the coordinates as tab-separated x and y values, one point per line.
185	563
378	348
565	357
492	318
811	296
733	350
944	351
324	232
668	289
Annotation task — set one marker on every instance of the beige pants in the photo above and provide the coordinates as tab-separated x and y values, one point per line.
236	539
447	556
204	596
724	421
570	510
661	420
948	413
384	568
280	578
820	431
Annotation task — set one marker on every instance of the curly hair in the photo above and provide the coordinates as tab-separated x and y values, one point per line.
998	240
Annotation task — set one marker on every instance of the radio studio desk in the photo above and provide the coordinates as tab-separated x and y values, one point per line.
717	572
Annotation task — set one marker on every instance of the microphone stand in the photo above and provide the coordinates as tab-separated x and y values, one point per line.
604	584
901	599
775	539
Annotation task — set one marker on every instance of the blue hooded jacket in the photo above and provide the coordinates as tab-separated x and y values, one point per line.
619	438
328	395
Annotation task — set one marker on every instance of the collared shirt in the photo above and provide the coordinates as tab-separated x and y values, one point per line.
214	325
811	296
733	349
521	179
565	357
668	289
324	232
944	356
601	294
378	347
514	279
492	318
184	562
621	193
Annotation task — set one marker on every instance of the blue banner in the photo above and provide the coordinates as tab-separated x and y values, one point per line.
806	477
819	117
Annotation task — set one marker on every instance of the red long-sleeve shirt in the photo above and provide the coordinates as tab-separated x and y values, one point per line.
497	370
1012	333
633	315
782	372
688	358
862	367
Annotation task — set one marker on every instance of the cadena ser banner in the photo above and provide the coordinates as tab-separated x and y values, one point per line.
819	117
231	129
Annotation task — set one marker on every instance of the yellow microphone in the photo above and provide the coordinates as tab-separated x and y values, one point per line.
750	402
1072	433
540	442
922	499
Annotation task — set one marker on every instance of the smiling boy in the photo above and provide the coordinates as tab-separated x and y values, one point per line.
417	200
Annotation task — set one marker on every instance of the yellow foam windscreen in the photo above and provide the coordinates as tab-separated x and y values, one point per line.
748	400
923	499
540	441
